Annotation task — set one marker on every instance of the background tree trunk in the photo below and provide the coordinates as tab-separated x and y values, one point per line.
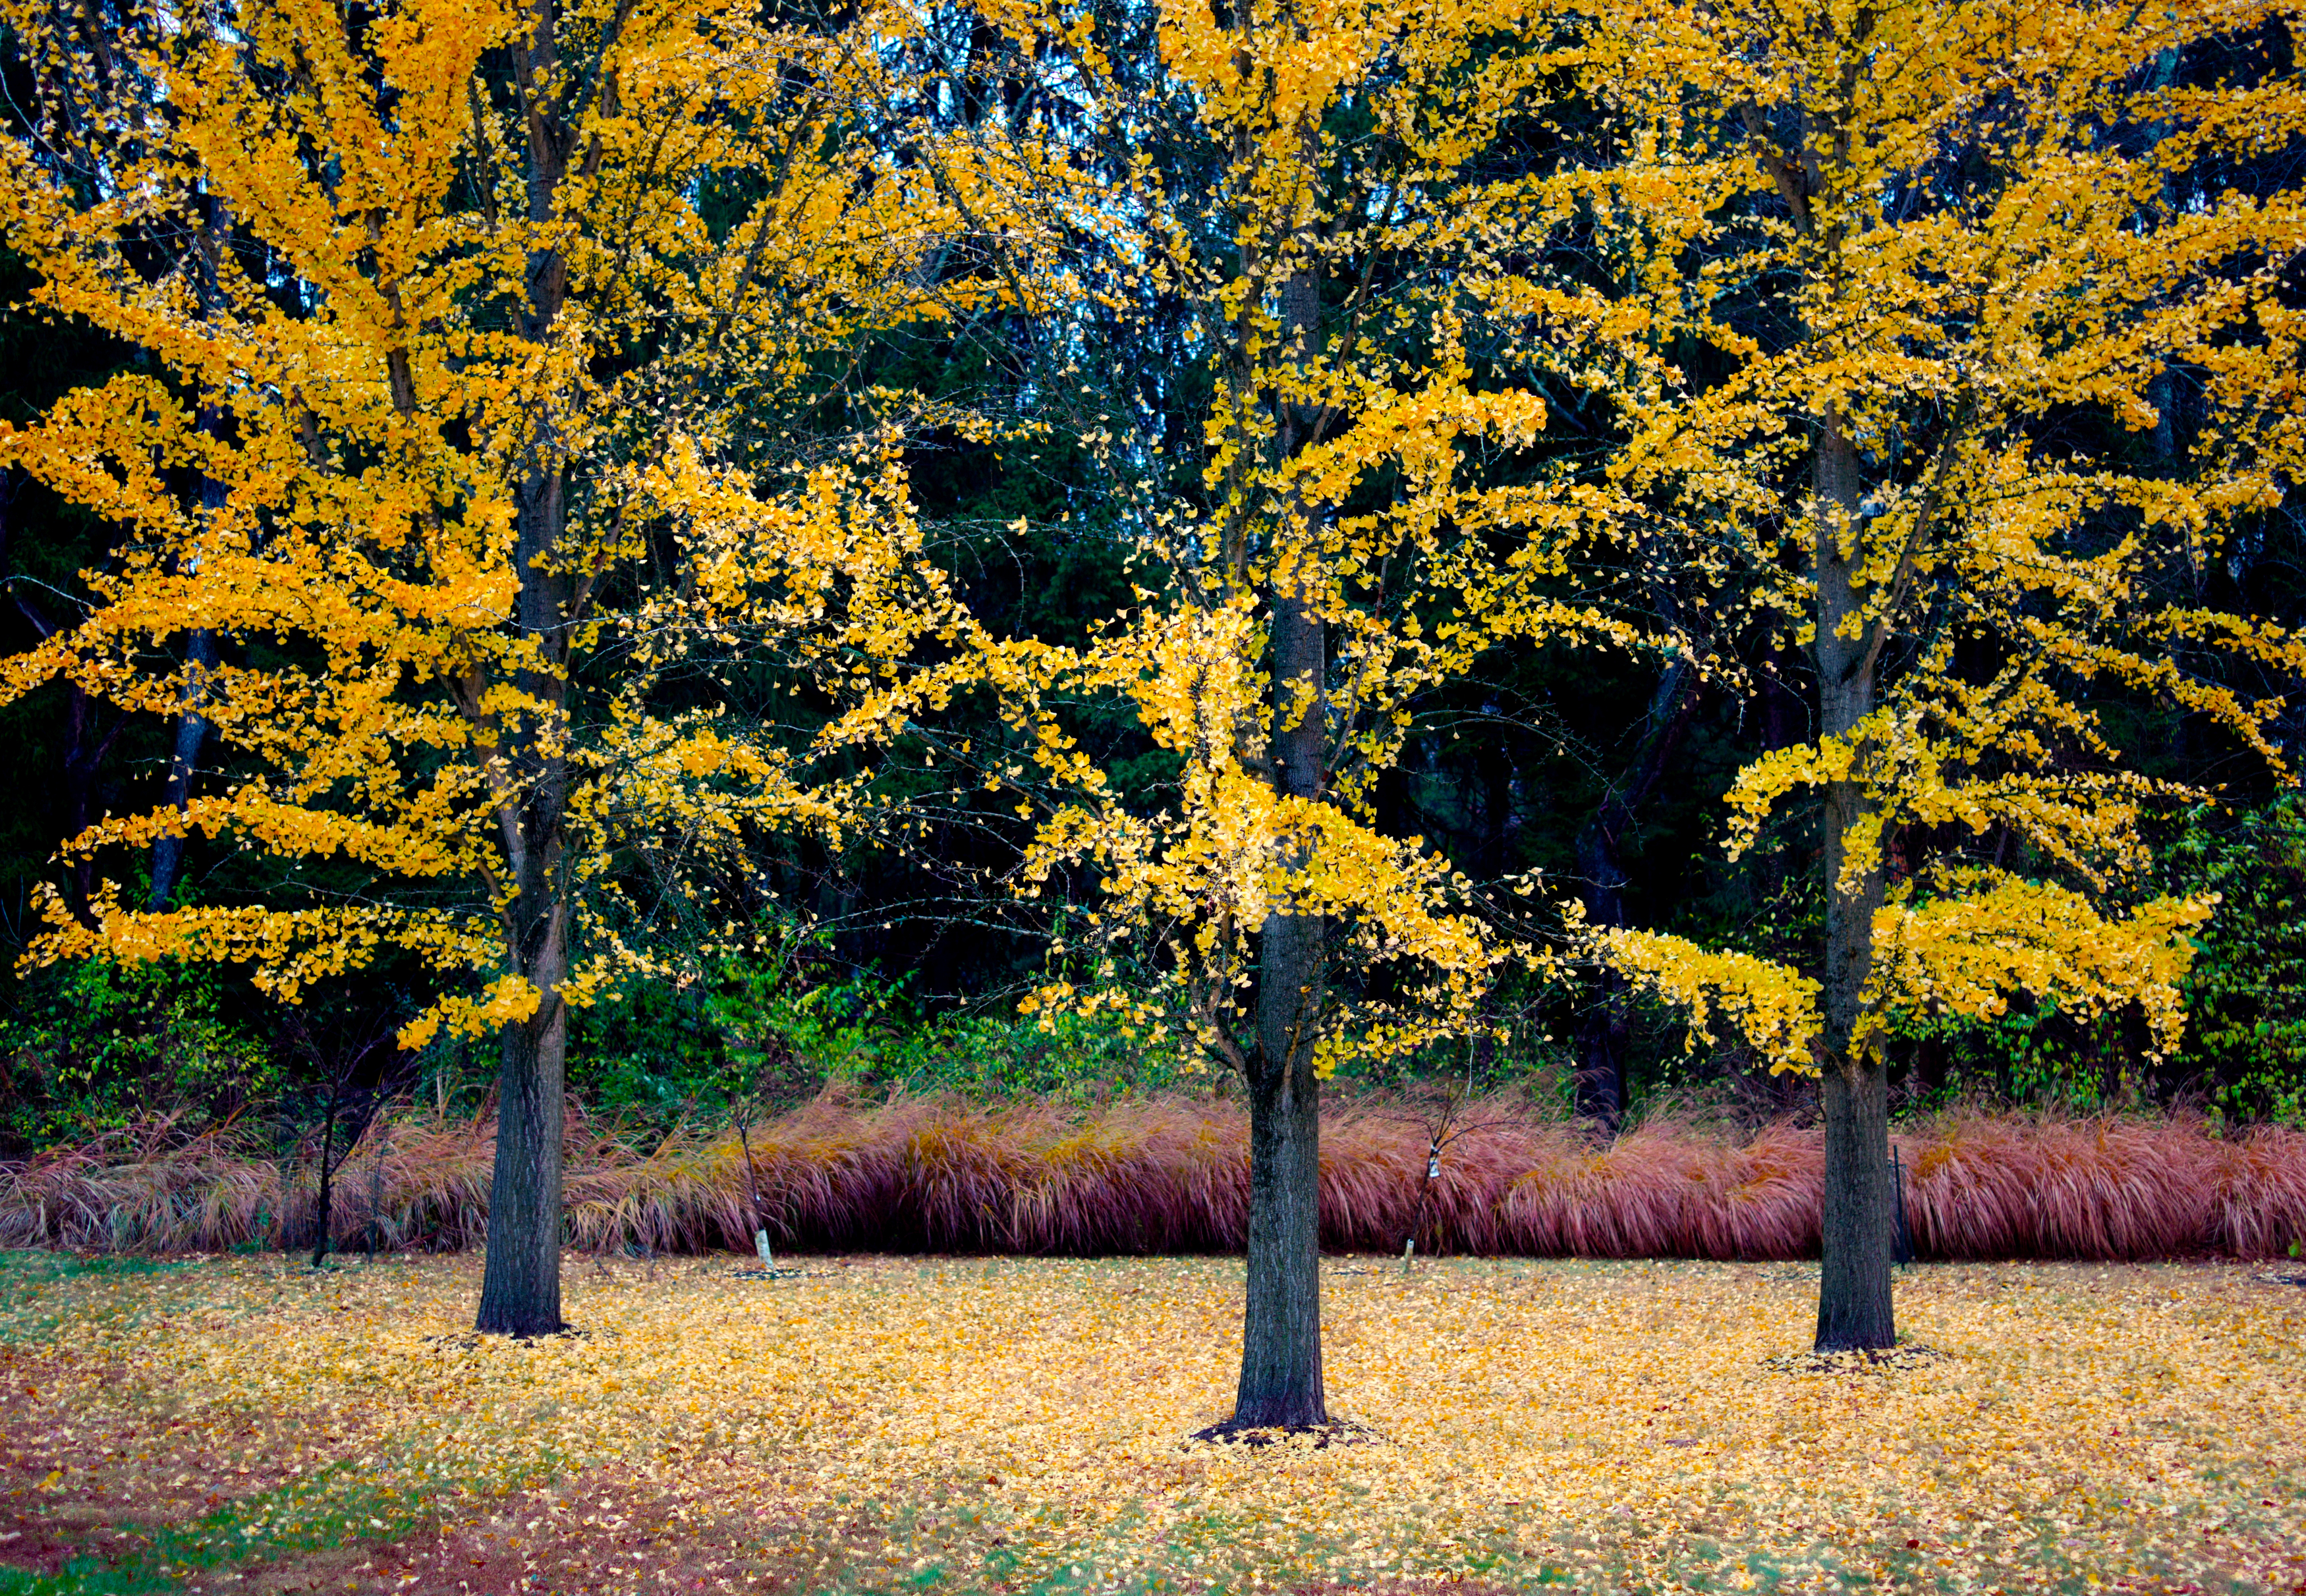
1604	1029
1854	1307
183	760
201	643
327	1171
84	747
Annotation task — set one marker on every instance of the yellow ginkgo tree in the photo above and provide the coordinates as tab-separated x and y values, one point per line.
1334	507
1991	347
487	333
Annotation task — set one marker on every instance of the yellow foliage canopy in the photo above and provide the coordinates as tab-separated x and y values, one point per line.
1912	245
468	426
1348	531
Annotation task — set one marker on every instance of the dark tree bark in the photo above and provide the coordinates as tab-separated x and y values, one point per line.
183	760
520	1283
1783	716
376	1183
355	1052
1604	1029
1854	1307
1281	1325
213	241
1281	1319
328	1184
1930	1070
85	745
1497	772
1783	713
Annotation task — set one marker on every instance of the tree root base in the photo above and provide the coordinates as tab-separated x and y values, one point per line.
1855	1359
1312	1436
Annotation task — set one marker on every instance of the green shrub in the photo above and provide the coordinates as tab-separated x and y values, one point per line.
93	1045
2246	995
2033	1052
776	1023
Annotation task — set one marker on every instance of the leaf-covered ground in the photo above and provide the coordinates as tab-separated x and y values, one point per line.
1013	1425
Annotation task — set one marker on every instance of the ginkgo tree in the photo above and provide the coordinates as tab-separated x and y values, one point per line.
1334	503
502	338
1950	275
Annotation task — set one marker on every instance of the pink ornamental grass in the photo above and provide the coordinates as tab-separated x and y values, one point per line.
1171	1174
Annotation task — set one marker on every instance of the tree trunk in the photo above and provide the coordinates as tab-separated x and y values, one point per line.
1605	1032
192	731
376	1181
520	1285
1604	1029
1281	1323
321	1234
84	750
1854	1308
210	244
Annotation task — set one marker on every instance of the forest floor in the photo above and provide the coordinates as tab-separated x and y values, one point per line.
896	1425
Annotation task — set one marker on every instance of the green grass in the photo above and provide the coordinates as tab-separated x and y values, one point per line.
304	1516
30	1309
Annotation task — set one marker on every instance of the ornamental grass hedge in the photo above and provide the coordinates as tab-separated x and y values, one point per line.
1170	1175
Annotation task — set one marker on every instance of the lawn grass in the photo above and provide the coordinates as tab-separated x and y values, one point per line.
886	1425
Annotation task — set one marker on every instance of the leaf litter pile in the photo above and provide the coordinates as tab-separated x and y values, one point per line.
1015	1425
